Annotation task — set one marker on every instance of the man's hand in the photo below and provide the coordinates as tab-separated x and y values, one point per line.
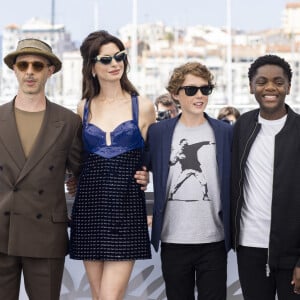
71	184
149	221
142	178
296	280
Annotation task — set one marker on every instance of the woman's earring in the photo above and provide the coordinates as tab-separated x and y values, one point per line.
94	75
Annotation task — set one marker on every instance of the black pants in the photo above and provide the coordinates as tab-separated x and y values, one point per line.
254	282
204	264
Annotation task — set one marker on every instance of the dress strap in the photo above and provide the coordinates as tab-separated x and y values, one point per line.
85	112
135	108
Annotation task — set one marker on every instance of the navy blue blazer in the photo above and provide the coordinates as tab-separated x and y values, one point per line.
157	156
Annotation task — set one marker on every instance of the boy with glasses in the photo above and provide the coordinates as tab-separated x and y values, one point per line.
191	214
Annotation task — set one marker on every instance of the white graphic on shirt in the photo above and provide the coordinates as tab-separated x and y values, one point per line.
187	157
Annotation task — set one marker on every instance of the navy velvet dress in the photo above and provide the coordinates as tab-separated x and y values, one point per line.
109	213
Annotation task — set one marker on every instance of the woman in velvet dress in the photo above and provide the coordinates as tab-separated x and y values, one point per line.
109	223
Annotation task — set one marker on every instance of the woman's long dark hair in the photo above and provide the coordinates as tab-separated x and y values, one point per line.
89	49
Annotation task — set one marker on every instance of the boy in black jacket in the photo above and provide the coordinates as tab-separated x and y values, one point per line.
265	187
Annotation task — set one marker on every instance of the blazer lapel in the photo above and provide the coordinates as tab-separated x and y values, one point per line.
49	132
219	136
166	145
9	135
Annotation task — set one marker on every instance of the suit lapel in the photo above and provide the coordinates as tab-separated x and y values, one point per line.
9	135
50	130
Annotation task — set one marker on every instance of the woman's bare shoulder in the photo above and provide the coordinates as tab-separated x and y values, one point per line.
147	110
146	105
80	107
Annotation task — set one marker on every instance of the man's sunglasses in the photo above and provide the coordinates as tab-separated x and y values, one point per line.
37	66
191	90
107	59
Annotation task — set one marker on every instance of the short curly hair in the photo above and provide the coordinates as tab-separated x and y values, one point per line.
270	59
179	74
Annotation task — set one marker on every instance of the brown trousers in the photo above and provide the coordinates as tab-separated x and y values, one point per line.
42	277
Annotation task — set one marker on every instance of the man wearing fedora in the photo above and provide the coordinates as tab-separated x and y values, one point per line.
39	140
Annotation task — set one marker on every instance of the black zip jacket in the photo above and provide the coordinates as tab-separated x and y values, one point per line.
284	245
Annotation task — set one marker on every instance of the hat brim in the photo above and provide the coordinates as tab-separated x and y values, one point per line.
10	59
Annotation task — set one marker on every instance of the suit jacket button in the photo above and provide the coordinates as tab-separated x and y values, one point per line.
15	189
38	216
41	192
6	213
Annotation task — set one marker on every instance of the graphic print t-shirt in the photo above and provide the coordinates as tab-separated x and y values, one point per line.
193	209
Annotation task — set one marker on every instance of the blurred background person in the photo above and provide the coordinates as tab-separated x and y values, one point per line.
166	107
228	114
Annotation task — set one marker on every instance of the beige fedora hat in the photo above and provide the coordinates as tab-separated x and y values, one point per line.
35	47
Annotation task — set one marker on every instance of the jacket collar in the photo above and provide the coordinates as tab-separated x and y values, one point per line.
49	132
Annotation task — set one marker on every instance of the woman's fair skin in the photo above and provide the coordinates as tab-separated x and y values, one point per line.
113	101
110	108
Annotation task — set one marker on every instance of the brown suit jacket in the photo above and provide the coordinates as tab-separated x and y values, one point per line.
33	211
